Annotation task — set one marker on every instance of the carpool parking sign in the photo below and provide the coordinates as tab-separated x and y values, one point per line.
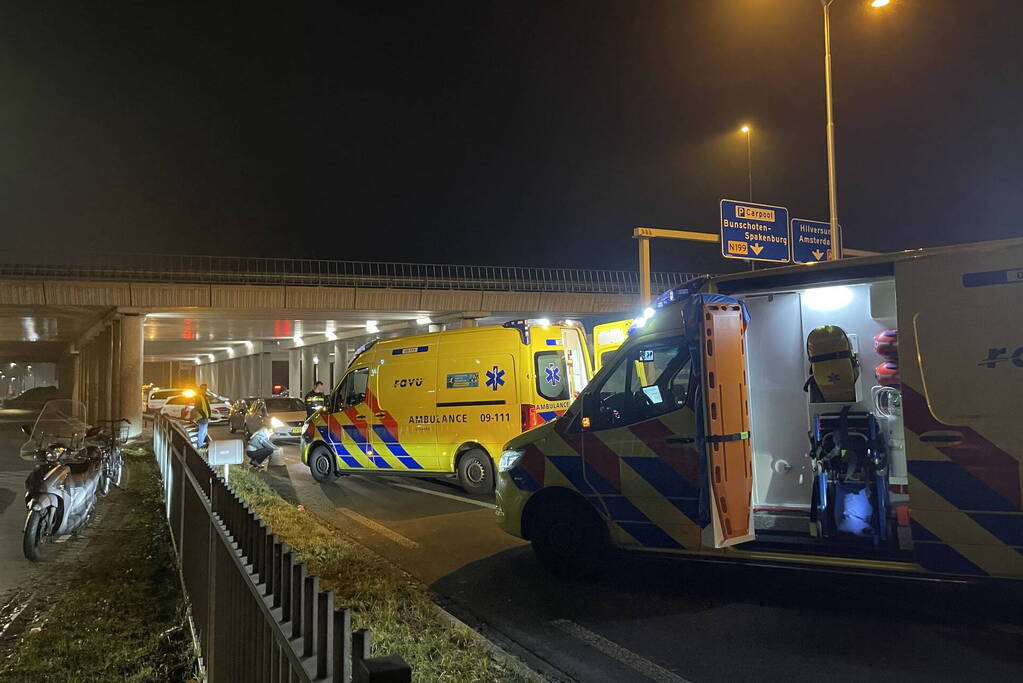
755	232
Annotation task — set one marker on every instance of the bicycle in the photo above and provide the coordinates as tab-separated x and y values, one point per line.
113	461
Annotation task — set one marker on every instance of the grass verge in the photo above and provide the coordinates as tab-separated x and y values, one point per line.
397	609
115	612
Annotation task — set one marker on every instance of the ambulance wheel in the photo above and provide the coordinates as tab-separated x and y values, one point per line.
476	472
320	466
568	537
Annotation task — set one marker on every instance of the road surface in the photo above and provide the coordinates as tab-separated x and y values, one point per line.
662	619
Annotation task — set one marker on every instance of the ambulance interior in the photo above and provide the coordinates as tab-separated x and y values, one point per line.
854	508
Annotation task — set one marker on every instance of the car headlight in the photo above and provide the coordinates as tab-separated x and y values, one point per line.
275	423
509	459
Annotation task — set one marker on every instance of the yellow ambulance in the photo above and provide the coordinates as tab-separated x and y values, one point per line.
445	402
904	370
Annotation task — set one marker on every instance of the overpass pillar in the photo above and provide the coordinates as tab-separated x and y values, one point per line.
92	381
106	373
67	374
265	384
307	369
115	372
294	373
253	384
130	371
340	360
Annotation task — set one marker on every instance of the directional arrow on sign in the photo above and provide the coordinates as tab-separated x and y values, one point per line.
756	248
817	254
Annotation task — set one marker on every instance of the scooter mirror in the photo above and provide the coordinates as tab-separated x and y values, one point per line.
27	429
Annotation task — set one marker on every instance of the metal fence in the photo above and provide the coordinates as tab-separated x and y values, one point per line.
314	272
258	614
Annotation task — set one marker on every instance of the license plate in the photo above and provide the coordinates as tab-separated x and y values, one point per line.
296	430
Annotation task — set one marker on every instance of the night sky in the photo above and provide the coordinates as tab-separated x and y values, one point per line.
500	133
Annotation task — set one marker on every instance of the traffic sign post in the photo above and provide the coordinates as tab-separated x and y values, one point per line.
811	241
754	232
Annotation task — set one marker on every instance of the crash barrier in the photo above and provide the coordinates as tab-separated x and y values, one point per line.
258	614
223	270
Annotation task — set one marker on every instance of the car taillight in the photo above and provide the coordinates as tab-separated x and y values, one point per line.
530	418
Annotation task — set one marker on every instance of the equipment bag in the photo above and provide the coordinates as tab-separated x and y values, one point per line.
834	368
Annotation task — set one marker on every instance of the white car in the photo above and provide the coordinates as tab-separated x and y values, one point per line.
158	397
179	407
182	407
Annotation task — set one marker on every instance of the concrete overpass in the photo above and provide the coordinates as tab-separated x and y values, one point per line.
110	322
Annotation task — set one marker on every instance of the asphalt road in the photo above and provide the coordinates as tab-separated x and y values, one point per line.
663	619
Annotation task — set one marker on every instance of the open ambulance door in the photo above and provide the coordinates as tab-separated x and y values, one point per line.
961	366
726	407
606	340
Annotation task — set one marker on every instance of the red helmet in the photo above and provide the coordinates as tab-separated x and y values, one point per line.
887	373
886	343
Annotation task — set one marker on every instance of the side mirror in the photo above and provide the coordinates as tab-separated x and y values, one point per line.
27	429
590	410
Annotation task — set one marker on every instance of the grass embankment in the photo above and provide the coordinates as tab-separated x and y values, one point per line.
115	613
397	609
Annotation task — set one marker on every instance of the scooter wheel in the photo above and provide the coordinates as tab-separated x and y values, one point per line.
33	534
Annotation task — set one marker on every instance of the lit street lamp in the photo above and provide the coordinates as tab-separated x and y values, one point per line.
832	192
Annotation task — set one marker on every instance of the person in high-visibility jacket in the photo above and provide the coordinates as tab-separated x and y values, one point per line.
315	399
202	415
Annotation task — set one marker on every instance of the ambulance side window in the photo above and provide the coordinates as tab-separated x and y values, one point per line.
650	380
551	376
352	390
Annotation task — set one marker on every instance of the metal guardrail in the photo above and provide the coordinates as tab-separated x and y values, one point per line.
314	272
258	614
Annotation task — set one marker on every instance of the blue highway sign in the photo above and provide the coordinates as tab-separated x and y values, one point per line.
756	232
811	241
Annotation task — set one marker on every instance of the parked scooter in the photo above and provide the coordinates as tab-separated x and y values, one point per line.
61	491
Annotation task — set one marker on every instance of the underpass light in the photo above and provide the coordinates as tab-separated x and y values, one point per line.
297	340
211	357
423	320
371	326
543	322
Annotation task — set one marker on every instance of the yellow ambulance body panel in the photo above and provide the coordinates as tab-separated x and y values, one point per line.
445	402
606	340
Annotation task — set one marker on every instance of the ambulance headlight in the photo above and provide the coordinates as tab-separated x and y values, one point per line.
509	459
275	423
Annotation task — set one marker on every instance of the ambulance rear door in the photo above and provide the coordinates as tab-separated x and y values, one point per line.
607	338
961	367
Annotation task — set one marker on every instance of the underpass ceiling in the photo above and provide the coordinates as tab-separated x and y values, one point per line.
185	335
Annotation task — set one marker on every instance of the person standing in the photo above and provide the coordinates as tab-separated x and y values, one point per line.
259	448
315	399
202	416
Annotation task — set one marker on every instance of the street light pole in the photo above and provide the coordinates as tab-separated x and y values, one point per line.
749	158
832	191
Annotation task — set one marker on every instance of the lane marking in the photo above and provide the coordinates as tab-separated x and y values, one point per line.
380	528
616	651
451	496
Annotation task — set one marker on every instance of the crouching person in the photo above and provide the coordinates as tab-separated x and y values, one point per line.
259	448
